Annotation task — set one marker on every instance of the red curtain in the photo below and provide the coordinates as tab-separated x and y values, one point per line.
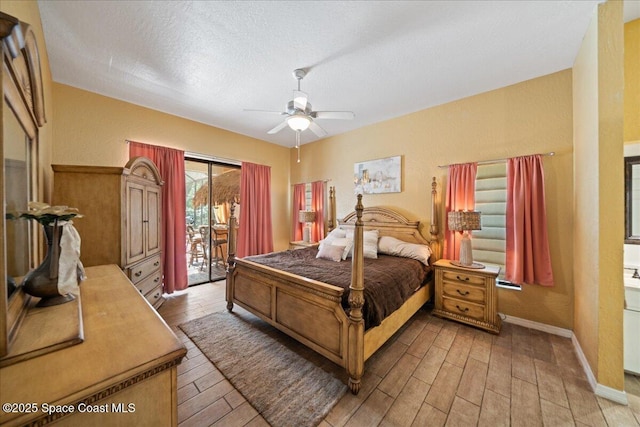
298	205
317	204
170	163
528	258
461	188
254	234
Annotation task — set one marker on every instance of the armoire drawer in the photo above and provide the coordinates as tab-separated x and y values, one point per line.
155	296
150	282
141	270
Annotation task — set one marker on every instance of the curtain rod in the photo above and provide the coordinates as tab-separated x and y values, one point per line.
207	157
309	182
489	162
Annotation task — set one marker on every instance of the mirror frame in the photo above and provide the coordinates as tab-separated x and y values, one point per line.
23	94
629	237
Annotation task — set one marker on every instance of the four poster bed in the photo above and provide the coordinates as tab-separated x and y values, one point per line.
335	319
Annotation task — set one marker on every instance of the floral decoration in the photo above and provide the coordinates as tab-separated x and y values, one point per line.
46	214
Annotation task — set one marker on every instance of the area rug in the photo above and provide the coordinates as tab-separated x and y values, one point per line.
284	387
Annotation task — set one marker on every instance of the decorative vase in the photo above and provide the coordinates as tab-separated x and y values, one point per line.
43	281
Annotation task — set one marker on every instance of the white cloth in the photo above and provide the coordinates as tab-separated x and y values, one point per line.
70	267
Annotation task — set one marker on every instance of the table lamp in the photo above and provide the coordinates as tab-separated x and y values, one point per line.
465	221
306	217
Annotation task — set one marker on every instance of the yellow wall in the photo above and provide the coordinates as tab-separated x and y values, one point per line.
598	75
632	81
91	129
530	117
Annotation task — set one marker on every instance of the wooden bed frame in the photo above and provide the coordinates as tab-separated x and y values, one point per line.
310	311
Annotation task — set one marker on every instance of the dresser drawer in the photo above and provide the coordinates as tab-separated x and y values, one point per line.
463	308
150	282
463	277
464	292
144	268
155	296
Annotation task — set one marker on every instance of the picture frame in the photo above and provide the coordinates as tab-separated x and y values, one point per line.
378	176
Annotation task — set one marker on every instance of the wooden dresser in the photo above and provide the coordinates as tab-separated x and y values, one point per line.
124	373
467	295
122	218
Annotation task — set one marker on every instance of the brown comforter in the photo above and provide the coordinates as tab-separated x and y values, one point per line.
388	281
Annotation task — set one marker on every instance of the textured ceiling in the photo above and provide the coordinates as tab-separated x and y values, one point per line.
210	60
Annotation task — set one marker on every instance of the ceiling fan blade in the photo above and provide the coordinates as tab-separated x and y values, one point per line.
317	129
264	111
278	128
300	99
340	115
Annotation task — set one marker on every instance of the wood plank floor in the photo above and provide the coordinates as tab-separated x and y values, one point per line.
432	373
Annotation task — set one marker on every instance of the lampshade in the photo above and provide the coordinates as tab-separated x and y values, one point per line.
306	216
298	122
464	220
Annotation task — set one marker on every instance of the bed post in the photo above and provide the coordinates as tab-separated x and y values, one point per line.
231	254
433	229
331	222
355	356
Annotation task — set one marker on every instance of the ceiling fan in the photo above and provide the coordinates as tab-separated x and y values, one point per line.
300	116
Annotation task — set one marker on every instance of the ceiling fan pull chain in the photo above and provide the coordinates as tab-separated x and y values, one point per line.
298	144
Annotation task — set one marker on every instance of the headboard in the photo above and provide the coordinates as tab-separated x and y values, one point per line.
392	223
388	222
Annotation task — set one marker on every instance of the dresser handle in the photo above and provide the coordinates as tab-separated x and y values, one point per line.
466	279
156	280
157	263
138	274
464	294
464	310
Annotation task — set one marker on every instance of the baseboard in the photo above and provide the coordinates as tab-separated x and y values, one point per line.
566	333
618	396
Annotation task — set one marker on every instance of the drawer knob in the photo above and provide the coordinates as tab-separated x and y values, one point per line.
156	280
138	274
157	263
466	279
156	295
464	294
464	310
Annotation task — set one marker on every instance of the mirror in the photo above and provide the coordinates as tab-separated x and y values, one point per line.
22	115
17	168
632	200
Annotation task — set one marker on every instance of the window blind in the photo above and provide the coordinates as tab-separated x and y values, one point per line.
489	244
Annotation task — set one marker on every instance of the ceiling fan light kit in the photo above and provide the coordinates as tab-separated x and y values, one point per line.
300	116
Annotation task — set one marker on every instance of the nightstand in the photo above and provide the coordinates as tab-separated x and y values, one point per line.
467	295
299	244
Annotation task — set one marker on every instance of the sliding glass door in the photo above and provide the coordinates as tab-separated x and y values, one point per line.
211	188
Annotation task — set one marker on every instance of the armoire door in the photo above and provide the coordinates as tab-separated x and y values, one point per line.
136	226
153	220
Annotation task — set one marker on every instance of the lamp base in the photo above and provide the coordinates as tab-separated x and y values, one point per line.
474	265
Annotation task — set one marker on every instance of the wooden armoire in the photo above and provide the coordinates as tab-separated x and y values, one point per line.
122	214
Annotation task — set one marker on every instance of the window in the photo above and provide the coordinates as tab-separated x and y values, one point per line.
489	244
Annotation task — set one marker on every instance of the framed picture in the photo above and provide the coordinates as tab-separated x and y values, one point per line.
378	176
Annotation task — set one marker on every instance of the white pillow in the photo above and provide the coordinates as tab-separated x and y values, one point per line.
346	243
370	244
392	246
334	234
331	252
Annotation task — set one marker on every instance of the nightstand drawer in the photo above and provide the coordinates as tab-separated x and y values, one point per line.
464	292
463	308
463	277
